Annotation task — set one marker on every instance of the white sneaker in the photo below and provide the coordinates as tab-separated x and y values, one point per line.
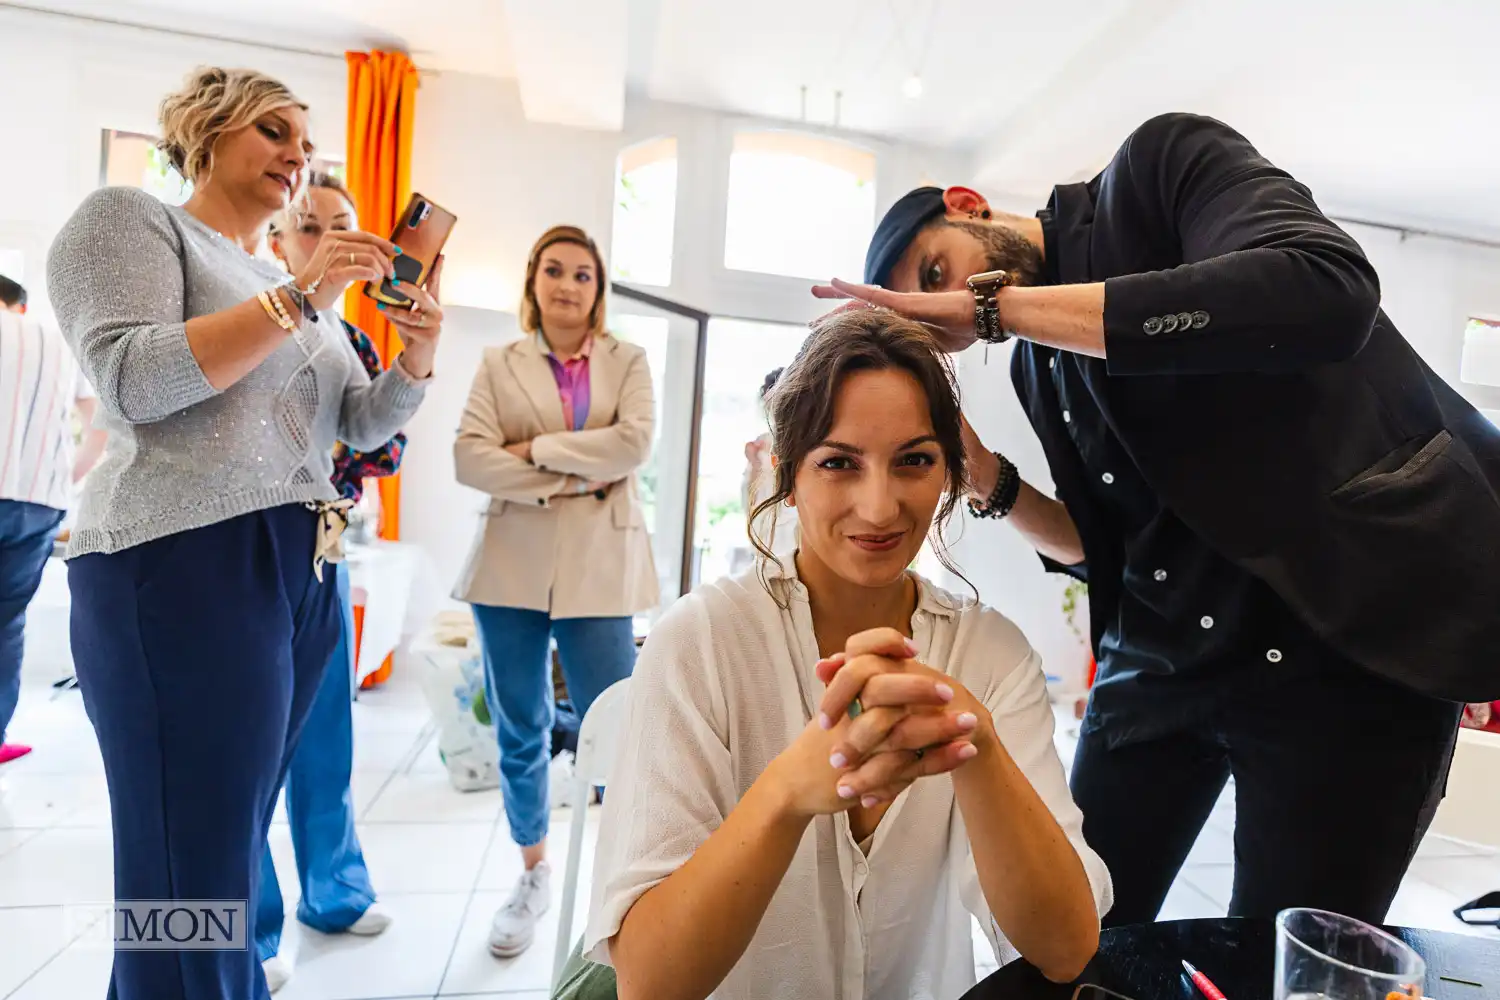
371	922
277	972
514	925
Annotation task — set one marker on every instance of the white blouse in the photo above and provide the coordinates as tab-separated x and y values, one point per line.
724	684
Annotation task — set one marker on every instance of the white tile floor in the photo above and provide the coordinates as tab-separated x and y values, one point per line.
442	861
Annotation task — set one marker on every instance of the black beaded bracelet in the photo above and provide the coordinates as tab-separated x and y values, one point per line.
1002	498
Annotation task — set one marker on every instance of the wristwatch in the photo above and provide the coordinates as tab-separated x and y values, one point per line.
986	288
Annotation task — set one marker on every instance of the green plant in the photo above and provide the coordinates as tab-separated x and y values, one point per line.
1075	591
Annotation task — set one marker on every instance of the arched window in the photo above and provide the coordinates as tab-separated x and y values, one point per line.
645	211
800	205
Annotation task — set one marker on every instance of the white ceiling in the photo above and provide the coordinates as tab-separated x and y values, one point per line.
1385	108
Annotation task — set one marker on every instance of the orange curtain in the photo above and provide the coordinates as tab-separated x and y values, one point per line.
382	109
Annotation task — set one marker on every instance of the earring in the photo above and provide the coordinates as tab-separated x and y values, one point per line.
985	214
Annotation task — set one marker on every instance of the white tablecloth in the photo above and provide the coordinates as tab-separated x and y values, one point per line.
397	585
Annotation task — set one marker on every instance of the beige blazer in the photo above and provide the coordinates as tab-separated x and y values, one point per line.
541	545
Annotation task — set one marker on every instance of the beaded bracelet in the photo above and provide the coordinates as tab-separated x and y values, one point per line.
1002	498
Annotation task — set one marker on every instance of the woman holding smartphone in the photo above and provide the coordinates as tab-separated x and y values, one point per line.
204	614
830	766
556	425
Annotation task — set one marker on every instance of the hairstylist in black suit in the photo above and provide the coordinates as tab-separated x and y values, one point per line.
1289	524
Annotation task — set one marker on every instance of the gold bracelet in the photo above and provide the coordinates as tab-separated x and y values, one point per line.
264	298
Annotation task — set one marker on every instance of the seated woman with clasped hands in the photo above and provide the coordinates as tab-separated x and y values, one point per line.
829	764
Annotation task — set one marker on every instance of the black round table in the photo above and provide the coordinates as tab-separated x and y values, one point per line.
1144	962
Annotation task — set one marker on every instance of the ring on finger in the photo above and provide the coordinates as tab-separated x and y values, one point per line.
855	708
351	258
919	752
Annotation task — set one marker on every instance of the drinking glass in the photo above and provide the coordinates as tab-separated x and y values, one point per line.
1325	956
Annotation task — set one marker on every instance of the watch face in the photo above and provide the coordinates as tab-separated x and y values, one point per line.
989	278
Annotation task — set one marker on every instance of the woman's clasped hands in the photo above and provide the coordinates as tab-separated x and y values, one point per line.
885	720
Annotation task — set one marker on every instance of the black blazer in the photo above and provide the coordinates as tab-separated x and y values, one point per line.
1275	408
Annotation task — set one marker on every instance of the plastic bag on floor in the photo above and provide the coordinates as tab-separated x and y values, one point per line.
454	686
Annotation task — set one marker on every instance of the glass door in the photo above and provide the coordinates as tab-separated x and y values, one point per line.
740	354
670	335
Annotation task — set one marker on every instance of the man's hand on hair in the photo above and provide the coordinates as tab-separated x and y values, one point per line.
949	315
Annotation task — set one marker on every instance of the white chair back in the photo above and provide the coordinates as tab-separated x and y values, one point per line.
597	737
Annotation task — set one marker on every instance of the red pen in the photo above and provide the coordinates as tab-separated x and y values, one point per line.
1204	984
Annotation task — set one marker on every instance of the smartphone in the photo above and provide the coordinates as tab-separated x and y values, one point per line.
420	233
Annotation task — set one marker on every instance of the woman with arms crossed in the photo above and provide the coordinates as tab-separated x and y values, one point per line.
556	425
765	843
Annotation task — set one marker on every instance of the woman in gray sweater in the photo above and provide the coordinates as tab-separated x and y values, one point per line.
202	617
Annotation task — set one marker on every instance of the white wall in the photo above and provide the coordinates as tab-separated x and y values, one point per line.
436	512
1429	286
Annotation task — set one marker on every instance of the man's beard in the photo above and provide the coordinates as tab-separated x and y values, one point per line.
1007	250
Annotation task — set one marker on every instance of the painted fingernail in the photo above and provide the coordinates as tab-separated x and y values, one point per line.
824	722
968	752
395	280
838	760
869	801
397	249
911	648
380	306
845	792
968	720
944	692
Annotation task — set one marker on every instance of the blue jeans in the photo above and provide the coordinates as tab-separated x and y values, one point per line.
26	533
595	653
331	870
199	656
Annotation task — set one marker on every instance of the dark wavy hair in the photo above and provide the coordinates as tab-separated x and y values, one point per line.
800	405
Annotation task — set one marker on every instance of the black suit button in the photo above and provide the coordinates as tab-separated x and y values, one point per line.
1152	326
1200	319
1169	324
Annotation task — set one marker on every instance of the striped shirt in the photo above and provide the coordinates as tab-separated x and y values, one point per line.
39	383
572	376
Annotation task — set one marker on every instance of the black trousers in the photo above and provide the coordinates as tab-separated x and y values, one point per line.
1337	775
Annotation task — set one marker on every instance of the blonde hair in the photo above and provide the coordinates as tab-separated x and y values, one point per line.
214	101
531	313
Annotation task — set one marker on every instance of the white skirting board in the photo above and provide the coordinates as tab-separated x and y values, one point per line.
1471	812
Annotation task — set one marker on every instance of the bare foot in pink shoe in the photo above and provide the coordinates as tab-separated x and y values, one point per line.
10	751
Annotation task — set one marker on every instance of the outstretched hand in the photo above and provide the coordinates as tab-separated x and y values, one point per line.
949	315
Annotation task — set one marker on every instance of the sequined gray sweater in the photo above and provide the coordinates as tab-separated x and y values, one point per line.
125	275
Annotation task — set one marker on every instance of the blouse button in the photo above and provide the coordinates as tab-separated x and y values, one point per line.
1274	655
1067	417
1206	621
1108	477
1159	575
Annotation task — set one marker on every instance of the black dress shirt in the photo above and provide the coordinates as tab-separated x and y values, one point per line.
1190	627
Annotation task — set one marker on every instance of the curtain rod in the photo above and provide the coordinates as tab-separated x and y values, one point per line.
198	35
1410	231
